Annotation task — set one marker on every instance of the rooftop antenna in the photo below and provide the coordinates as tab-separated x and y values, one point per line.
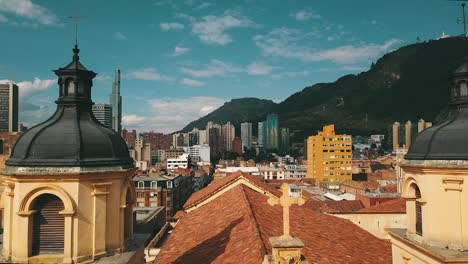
76	19
463	18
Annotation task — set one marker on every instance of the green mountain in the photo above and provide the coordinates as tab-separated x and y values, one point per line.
407	84
237	111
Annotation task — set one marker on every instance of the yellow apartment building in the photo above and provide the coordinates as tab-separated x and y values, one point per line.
329	157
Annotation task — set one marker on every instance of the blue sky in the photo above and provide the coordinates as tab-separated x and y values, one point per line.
182	59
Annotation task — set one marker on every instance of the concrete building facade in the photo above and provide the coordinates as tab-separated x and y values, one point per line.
9	106
103	114
329	158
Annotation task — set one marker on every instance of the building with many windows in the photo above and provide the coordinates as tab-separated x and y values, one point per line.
329	158
261	134
272	127
246	135
8	107
116	103
103	114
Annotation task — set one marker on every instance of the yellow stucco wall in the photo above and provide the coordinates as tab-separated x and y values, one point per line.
94	213
376	223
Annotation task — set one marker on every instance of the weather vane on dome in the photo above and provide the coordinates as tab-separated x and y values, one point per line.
76	19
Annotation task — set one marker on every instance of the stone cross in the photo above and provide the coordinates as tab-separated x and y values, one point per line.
287	199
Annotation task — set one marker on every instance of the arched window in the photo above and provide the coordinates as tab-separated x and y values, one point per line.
154	185
463	89
417	193
48	225
141	185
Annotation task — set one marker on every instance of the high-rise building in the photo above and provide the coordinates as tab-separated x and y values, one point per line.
103	113
116	103
228	133
261	134
8	107
272	127
284	136
194	137
202	137
329	158
215	142
246	135
237	146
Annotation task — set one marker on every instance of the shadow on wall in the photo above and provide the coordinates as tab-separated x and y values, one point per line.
211	248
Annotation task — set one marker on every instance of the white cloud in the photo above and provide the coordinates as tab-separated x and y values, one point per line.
303	15
212	29
215	68
103	78
3	19
172	114
179	51
129	120
285	43
119	36
27	9
148	74
259	69
166	26
203	5
37	85
191	82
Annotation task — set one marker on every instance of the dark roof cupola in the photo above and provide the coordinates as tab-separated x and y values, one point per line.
449	139
71	137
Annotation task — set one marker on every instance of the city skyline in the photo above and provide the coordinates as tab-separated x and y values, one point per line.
183	60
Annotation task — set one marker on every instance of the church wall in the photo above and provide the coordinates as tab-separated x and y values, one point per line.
376	223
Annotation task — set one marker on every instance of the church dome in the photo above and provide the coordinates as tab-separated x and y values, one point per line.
71	137
449	139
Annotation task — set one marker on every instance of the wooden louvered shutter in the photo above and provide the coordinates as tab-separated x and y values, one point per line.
418	213
49	225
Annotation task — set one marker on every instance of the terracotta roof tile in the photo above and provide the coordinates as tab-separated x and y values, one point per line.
335	206
361	185
236	227
327	239
397	205
220	184
222	232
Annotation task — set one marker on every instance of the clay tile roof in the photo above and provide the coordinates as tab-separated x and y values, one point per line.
236	226
223	231
218	185
335	206
179	214
361	185
397	205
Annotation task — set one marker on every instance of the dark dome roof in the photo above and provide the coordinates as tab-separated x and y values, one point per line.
72	136
449	139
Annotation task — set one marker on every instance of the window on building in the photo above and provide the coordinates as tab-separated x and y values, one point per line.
140	195
417	193
154	185
141	185
169	184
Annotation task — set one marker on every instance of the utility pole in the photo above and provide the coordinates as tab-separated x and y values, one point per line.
462	19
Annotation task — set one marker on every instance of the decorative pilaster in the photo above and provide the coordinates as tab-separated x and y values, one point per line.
99	218
8	217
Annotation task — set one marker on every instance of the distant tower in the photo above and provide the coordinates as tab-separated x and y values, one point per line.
396	134
116	103
246	135
8	107
408	128
103	114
